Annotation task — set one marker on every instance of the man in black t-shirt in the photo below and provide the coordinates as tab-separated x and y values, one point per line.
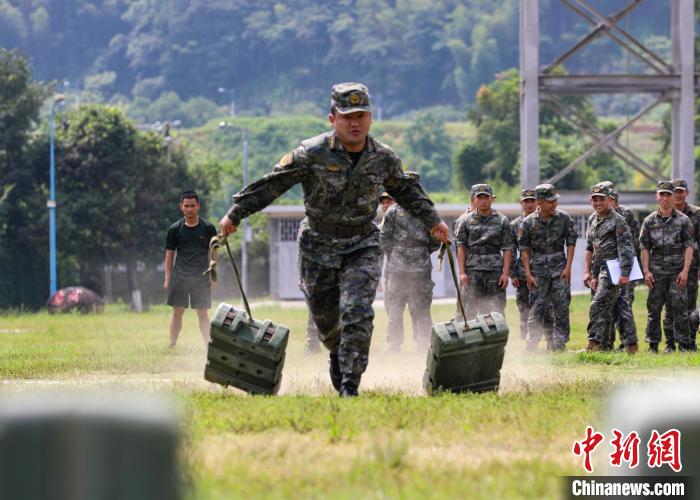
186	284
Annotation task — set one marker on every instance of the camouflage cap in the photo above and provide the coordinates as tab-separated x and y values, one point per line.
528	194
546	192
665	187
412	175
614	194
600	189
680	184
385	195
350	97
478	189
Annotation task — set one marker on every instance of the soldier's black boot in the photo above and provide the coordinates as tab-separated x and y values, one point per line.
349	385
687	348
670	347
334	369
654	347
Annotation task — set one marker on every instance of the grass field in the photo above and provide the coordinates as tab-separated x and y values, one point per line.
392	442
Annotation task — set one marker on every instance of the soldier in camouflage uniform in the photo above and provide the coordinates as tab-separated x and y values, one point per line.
313	345
528	204
455	231
667	247
607	237
680	193
484	253
407	245
623	319
341	173
543	238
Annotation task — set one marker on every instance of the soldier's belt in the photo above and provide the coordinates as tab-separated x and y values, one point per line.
339	230
411	244
667	251
547	250
484	249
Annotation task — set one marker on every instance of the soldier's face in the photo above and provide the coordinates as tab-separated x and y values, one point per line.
601	204
386	203
352	129
528	206
548	207
189	207
483	202
679	196
665	200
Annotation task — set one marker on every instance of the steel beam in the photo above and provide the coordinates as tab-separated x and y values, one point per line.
613	84
529	93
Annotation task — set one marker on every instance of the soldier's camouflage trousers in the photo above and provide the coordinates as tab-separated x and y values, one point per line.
483	293
665	286
340	301
601	310
522	299
555	294
692	291
414	289
312	342
623	319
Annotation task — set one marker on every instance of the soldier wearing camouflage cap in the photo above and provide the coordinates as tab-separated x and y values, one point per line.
547	239
680	192
623	318
608	237
484	254
667	246
528	204
407	245
341	173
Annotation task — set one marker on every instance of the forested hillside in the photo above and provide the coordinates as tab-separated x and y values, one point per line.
282	56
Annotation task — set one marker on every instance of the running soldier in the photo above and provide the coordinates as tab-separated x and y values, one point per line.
484	254
407	245
607	237
680	192
667	247
341	173
547	239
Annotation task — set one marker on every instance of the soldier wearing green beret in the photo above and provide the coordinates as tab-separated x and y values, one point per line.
608	237
680	192
667	246
341	173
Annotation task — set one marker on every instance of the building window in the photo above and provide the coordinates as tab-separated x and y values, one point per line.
289	229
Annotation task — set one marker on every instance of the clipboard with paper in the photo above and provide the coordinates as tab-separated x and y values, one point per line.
613	266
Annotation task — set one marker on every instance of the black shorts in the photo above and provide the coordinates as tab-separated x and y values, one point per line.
190	291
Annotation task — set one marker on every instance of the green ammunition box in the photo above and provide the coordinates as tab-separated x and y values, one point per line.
466	357
245	354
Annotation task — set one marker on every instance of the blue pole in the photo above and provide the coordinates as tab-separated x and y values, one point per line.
52	205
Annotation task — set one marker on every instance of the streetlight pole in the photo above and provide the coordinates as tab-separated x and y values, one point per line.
246	227
232	102
51	204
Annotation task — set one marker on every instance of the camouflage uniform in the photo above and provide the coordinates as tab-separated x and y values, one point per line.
407	244
607	238
522	292
693	213
623	319
666	241
313	345
546	242
484	238
339	254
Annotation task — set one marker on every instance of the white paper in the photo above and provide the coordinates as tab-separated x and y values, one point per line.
613	266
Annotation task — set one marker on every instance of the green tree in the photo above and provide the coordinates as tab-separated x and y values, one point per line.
430	150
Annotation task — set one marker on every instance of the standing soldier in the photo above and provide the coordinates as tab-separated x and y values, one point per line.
607	237
407	244
543	238
528	204
455	230
484	254
623	318
680	192
341	173
667	247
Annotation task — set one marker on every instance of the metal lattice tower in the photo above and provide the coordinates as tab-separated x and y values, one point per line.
674	83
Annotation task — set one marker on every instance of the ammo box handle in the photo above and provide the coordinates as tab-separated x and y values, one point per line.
216	242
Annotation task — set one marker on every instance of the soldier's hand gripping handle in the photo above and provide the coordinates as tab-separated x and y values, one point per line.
441	232
226	226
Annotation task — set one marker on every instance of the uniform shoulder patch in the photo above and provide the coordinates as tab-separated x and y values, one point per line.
286	160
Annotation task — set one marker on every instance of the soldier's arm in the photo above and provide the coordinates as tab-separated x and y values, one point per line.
587	259
648	277
409	194
688	241
289	171
625	249
507	247
387	233
169	259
